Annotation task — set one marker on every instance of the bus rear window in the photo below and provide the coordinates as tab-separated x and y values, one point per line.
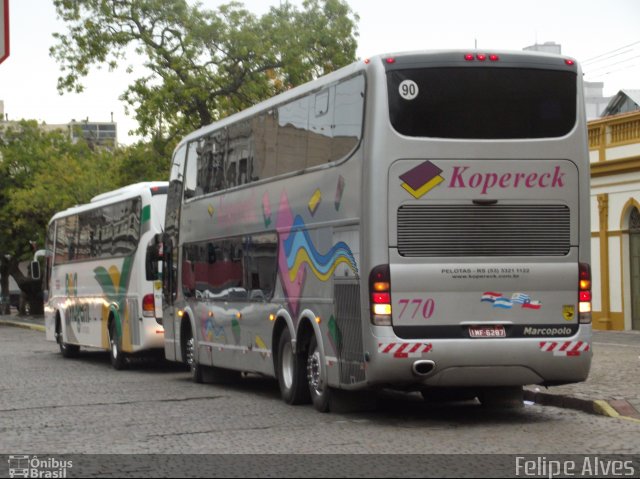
482	103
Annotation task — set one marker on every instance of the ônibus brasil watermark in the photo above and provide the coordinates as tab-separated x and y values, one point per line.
34	466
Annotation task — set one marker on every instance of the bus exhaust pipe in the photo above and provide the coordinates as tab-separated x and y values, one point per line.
423	367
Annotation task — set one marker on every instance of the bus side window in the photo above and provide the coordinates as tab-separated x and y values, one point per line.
191	173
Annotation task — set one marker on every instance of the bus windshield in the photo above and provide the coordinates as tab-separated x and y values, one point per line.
482	102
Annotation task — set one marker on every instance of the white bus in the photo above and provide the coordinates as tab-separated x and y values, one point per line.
413	221
98	293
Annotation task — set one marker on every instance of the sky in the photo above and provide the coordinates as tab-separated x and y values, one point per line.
603	36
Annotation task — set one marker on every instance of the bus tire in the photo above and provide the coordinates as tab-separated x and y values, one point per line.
117	357
190	358
291	372
67	350
317	378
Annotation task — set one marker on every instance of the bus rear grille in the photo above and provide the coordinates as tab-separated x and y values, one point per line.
496	230
346	332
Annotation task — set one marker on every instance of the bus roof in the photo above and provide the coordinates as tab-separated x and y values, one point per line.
114	196
515	58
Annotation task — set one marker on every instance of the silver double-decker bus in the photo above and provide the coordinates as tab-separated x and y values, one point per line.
413	221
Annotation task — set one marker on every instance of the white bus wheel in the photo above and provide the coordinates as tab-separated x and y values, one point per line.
117	357
67	350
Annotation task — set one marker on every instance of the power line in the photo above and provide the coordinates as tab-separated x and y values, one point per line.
609	52
604	67
624	52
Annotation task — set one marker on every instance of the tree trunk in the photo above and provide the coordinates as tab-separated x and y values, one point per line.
31	300
5	305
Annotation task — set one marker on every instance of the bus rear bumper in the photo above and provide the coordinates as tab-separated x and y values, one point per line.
479	362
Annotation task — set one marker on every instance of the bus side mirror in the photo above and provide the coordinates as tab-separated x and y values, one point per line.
35	270
153	258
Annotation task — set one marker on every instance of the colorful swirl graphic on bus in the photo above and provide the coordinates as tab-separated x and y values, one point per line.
300	250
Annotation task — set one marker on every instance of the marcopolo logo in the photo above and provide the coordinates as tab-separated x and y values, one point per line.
547	331
426	176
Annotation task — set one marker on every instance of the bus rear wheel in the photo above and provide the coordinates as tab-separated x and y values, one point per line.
291	372
116	355
317	378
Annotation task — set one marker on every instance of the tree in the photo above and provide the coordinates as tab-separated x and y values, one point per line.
200	64
143	161
41	173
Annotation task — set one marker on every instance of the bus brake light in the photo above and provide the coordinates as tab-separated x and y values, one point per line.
380	295
584	293
148	306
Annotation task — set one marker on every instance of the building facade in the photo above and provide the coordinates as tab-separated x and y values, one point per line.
614	150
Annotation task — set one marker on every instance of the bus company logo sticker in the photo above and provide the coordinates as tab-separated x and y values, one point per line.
71	284
568	312
405	350
420	180
463	177
499	300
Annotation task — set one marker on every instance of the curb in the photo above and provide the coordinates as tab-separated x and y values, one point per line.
20	324
598	406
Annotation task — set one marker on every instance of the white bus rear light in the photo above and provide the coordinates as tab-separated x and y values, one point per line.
382	309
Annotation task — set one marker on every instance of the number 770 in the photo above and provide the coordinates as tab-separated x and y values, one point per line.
417	306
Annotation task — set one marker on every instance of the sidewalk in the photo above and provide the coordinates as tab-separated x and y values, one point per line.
612	388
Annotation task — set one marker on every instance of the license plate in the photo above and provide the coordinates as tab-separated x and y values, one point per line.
494	331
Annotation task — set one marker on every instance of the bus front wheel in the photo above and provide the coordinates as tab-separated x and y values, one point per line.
191	359
291	372
67	350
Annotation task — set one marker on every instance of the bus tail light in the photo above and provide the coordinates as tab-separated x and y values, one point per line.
148	306
380	295
584	293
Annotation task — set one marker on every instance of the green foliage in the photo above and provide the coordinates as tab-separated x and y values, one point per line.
142	162
201	64
43	172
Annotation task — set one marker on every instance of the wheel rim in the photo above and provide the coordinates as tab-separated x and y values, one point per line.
287	365
314	372
114	348
191	346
